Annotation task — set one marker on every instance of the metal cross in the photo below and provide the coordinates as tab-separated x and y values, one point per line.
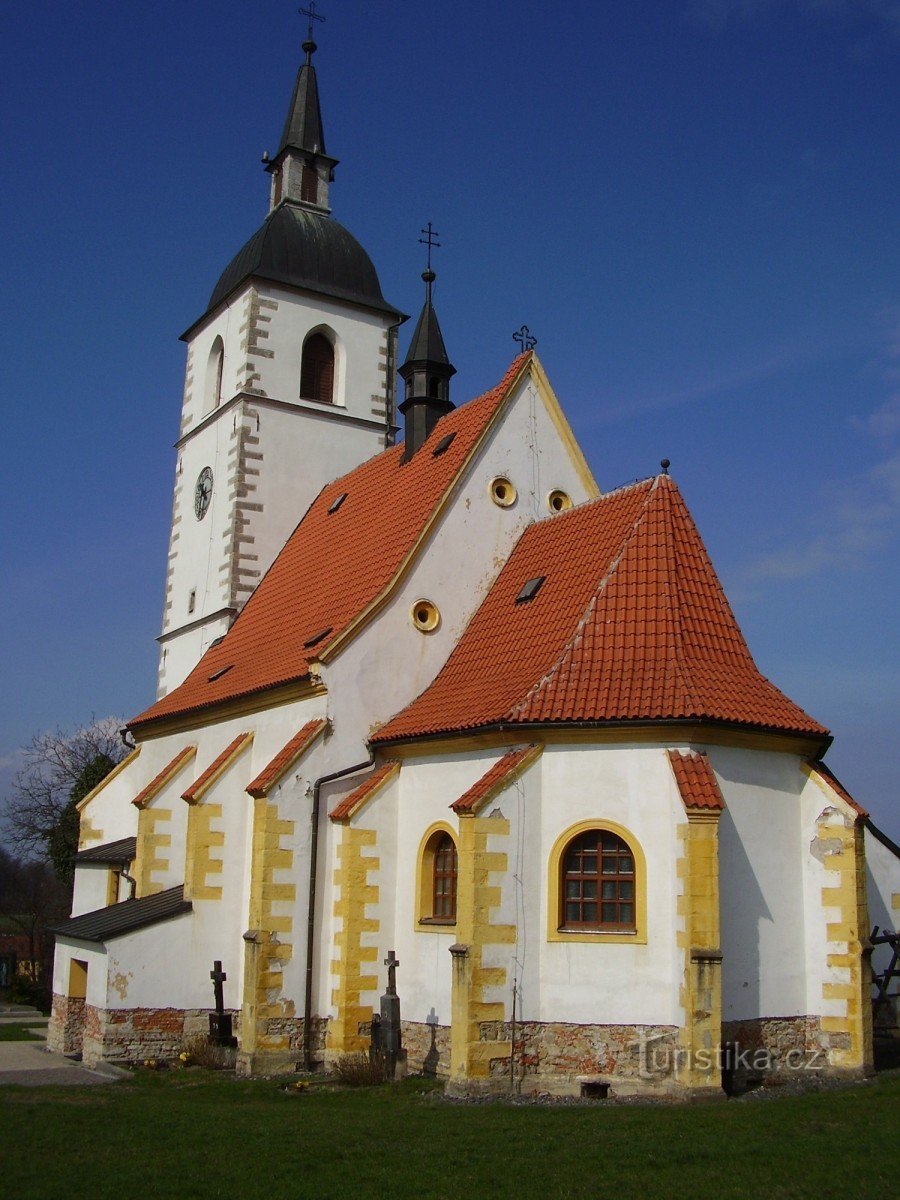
392	962
525	338
430	240
313	16
218	976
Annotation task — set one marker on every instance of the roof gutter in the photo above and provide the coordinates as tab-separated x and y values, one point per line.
311	906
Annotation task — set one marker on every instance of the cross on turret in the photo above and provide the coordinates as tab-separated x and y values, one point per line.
430	240
525	338
313	16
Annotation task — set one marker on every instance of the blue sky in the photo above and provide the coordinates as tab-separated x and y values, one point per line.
693	204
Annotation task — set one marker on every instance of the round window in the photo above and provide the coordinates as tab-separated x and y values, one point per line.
502	491
559	501
425	615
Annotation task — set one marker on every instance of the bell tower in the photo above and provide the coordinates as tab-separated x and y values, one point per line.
289	383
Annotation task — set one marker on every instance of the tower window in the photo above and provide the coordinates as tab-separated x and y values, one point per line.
214	368
317	369
309	185
434	387
277	188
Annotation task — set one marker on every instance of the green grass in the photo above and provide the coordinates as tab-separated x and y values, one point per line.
19	1033
188	1134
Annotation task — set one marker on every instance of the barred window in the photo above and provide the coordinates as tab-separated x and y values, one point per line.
598	883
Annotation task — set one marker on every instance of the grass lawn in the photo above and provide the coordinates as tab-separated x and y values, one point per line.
190	1134
19	1033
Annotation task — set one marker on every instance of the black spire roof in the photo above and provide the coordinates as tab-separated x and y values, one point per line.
427	343
303	126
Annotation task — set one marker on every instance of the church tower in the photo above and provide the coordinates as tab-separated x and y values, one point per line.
289	383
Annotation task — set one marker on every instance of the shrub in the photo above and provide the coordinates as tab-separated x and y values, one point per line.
362	1070
199	1051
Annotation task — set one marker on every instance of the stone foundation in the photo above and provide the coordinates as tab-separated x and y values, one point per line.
125	1035
574	1060
427	1048
65	1031
279	1049
771	1050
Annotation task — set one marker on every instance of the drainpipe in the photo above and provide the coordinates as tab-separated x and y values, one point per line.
311	910
390	388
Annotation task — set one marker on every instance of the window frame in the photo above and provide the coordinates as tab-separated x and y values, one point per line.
424	919
557	931
313	335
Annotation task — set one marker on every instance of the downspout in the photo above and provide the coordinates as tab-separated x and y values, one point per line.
311	910
390	385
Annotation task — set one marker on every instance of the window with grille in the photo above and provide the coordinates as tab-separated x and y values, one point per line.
444	880
317	369
598	883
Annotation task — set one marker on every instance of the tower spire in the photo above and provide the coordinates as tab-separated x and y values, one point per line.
427	370
301	169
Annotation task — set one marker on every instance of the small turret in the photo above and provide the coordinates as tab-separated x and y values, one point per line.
427	370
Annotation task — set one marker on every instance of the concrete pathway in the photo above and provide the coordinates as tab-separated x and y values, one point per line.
31	1064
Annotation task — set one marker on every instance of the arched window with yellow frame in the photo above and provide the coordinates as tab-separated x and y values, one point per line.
436	877
597	885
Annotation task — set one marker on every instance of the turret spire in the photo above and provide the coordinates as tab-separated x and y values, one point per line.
302	170
427	370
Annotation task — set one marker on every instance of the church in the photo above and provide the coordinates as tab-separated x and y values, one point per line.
441	701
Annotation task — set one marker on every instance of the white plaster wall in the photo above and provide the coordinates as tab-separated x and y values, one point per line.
763	892
383	669
89	892
883	891
87	952
610	983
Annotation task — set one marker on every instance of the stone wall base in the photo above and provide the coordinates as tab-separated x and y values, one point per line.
772	1050
127	1035
65	1031
279	1047
427	1048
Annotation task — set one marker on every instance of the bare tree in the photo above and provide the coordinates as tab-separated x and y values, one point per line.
60	768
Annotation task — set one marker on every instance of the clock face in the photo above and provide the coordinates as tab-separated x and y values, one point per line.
203	493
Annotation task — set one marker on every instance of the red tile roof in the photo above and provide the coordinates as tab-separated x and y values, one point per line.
206	778
631	624
379	777
501	774
819	768
335	565
289	753
158	782
696	781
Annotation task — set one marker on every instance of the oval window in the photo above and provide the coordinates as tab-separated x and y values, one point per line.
559	501
502	491
425	616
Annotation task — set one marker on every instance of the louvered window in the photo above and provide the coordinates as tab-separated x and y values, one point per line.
309	185
317	369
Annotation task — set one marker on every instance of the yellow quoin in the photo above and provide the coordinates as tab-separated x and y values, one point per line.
268	944
698	1066
470	1056
352	962
847	925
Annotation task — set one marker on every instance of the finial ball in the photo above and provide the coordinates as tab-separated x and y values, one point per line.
429	276
665	464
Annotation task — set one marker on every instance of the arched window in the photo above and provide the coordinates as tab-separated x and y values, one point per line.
597	885
437	876
317	369
277	185
214	367
444	879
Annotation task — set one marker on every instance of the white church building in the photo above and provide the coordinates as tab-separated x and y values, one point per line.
448	698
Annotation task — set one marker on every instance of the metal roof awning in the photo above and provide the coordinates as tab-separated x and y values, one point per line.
104	924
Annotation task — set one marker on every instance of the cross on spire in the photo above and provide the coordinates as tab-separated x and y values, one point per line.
430	240
525	338
313	16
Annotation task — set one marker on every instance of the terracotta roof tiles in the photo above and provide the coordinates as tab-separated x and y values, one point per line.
366	790
289	753
631	624
500	775
207	778
696	780
350	555
159	781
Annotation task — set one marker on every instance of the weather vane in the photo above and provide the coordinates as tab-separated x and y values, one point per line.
430	240
313	16
525	338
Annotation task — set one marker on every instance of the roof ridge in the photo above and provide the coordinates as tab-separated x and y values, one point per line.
572	642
